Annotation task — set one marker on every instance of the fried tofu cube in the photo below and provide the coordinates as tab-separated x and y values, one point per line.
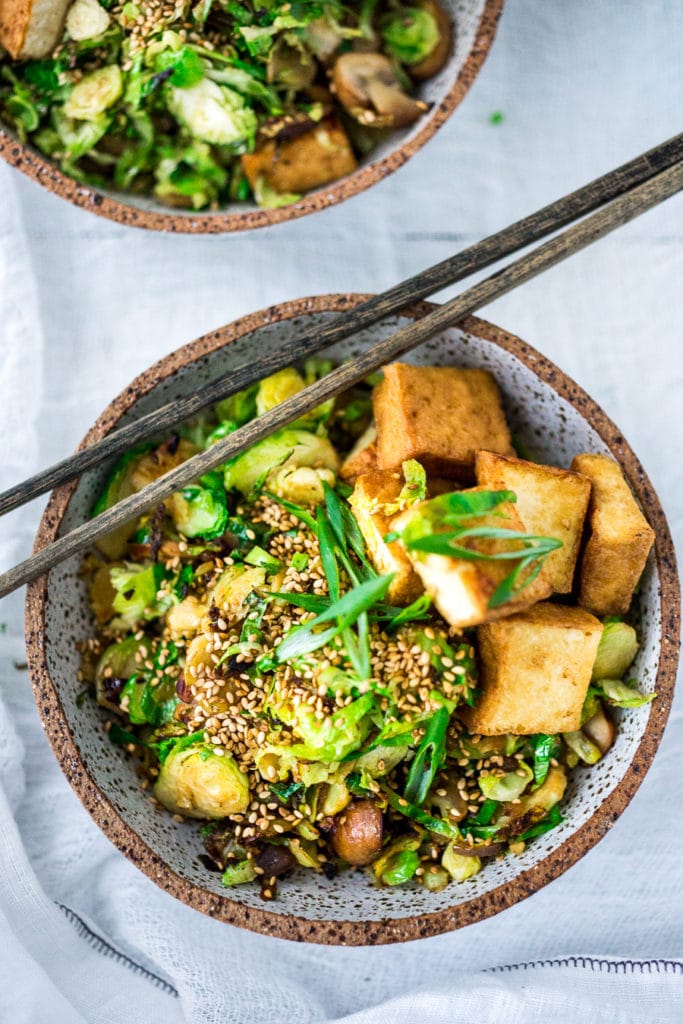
440	416
362	458
462	588
534	671
307	161
551	502
619	538
372	491
31	28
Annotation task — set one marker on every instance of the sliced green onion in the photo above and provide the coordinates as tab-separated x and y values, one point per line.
428	759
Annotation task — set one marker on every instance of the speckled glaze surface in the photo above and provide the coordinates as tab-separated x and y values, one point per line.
475	23
555	419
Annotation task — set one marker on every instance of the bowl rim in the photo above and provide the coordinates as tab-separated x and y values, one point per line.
345	932
39	168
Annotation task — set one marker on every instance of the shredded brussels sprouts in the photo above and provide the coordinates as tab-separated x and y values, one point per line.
250	648
203	105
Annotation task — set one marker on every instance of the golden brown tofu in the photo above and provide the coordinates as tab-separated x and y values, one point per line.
31	28
551	502
440	416
619	538
462	588
371	492
534	671
362	458
316	158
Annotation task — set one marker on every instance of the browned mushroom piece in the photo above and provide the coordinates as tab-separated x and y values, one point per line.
276	861
600	730
368	88
434	61
310	160
358	833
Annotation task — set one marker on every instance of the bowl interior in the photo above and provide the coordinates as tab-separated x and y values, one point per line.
554	431
474	21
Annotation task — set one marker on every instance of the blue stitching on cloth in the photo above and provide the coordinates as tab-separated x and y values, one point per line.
595	963
102	946
658	966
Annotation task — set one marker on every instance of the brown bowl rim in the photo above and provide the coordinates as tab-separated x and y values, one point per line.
40	169
288	926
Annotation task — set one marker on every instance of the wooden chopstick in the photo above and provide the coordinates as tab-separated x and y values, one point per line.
477	257
599	224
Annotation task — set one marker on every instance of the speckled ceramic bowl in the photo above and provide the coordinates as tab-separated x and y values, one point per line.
555	419
475	27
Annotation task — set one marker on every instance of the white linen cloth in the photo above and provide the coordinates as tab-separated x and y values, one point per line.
85	305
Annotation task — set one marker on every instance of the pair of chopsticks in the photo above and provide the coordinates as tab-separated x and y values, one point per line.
618	197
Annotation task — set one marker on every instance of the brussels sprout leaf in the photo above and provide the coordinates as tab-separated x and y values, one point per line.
544	748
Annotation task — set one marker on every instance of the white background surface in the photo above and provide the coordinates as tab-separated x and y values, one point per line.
85	305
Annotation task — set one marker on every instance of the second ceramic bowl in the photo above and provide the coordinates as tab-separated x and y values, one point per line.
475	27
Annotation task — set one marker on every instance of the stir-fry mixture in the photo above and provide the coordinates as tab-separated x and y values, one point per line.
378	638
202	104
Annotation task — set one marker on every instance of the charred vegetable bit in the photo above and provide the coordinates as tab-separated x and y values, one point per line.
202	105
254	654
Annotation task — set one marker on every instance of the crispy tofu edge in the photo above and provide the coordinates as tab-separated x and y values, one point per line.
610	568
394	420
383	486
493	470
307	161
483	718
473	575
362	458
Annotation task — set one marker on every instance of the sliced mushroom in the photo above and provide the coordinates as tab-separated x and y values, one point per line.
600	729
313	159
368	88
434	61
